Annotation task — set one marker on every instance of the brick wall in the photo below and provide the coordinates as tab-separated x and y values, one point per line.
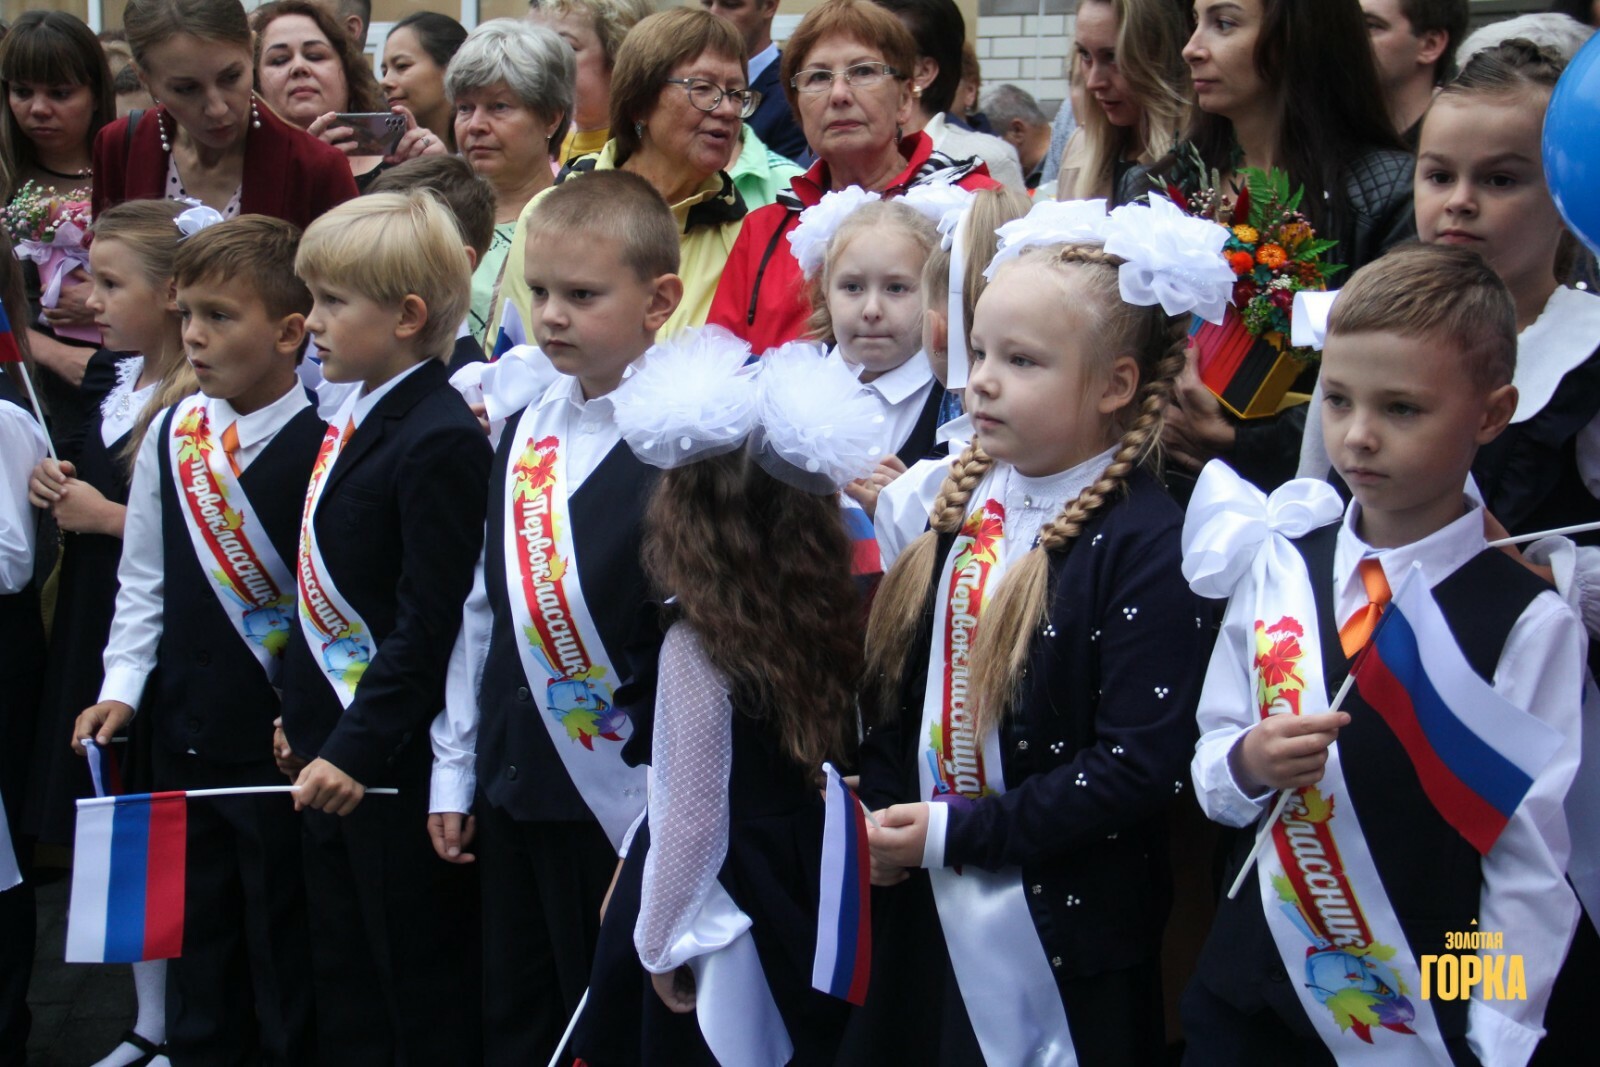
1018	44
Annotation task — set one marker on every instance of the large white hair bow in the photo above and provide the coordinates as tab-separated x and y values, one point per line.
1050	222
820	221
1230	523
948	206
1172	259
688	398
1308	324
818	428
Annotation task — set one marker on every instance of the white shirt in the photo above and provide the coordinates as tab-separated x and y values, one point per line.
762	60
959	144
22	443
901	393
905	503
119	408
588	432
130	653
1525	894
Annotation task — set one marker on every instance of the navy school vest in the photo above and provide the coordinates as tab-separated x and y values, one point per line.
209	695
519	769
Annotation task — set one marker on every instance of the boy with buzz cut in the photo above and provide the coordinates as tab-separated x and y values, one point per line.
1323	954
392	524
534	741
204	615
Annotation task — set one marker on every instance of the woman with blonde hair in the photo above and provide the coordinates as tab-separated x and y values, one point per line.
1129	54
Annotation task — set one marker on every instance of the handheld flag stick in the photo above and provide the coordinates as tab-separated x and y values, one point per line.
49	442
572	1024
235	791
1283	800
1583	527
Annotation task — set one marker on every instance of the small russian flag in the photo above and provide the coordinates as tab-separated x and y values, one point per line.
844	914
509	333
865	560
1475	752
128	879
10	352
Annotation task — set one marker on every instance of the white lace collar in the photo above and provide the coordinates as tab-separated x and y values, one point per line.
1562	337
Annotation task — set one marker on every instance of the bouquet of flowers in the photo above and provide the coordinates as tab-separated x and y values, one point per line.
1249	361
52	230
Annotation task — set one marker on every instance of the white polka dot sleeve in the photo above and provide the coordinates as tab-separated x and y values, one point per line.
691	758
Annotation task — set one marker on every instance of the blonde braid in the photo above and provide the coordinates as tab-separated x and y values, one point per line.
1001	645
892	627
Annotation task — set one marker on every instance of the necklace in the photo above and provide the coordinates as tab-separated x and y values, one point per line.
86	172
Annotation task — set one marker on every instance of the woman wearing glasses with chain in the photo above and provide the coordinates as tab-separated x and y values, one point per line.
846	72
678	98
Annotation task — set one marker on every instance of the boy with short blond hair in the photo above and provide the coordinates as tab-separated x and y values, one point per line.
1364	876
204	612
392	523
543	749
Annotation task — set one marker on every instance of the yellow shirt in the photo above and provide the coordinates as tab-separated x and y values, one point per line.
702	251
583	143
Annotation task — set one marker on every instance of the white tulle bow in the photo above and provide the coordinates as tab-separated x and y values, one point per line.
1050	222
1308	323
1172	259
818	428
819	222
688	398
509	384
942	204
199	217
1230	523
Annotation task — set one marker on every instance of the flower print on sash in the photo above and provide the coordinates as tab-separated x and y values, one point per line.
340	640
1335	930
1005	980
572	680
239	561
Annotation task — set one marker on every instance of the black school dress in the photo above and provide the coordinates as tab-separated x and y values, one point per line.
85	603
772	872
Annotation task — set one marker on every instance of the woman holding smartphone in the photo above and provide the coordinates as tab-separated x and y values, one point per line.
311	74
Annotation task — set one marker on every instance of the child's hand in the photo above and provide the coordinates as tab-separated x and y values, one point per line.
451	832
1285	751
676	989
864	491
900	837
324	787
481	413
101	722
289	764
48	482
81	508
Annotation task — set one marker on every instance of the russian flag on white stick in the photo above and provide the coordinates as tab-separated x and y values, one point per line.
843	958
127	879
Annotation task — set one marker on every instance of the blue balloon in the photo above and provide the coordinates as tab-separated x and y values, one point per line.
1572	145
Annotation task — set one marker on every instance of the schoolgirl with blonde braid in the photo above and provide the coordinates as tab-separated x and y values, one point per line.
1035	659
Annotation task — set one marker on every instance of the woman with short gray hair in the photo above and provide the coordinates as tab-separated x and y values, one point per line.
510	85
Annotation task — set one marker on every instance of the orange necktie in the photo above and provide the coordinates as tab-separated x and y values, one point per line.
230	446
349	428
1357	629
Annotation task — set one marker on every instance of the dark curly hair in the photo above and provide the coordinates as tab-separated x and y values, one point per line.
761	570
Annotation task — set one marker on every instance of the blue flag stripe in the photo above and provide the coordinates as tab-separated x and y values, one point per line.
1482	769
125	905
844	963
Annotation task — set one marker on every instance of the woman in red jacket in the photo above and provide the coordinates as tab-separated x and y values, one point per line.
847	73
209	138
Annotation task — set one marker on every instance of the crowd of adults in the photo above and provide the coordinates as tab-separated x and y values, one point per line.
244	115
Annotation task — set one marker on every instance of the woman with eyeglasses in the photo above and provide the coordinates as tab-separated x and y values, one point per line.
847	74
678	99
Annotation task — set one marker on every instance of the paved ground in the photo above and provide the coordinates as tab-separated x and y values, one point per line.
79	1010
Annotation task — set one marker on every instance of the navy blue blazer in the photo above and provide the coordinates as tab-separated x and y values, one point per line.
400	526
773	121
1097	748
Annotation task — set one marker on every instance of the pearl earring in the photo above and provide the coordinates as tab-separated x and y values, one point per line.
161	128
255	116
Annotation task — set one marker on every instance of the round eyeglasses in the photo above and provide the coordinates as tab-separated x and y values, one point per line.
707	96
857	76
